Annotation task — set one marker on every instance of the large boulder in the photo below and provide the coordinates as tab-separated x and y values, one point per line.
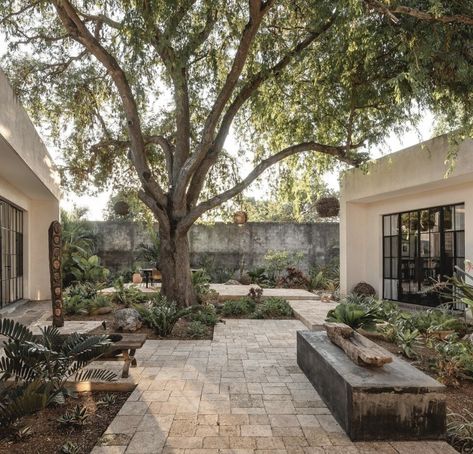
128	320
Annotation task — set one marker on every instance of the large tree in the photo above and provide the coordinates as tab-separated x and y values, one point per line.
145	92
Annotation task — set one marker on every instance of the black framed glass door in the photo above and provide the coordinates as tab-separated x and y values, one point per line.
11	253
418	247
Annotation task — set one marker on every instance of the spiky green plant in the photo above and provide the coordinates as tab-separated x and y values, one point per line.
161	315
77	417
40	366
354	316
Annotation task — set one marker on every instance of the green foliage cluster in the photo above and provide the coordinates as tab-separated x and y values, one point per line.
460	431
197	329
41	365
354	316
127	296
161	315
325	277
77	417
454	360
84	298
238	308
278	261
273	307
201	283
205	314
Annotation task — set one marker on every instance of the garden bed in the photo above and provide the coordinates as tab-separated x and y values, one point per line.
48	436
180	331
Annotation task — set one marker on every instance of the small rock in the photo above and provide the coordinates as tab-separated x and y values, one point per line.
245	279
232	282
103	310
127	320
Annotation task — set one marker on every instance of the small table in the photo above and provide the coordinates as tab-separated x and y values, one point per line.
148	272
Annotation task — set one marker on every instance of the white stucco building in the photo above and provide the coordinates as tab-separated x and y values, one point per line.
29	202
403	222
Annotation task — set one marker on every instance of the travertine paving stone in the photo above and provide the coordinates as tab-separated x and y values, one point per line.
241	393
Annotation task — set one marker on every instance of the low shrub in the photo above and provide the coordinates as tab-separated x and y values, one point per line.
201	283
294	278
206	314
235	308
161	315
273	308
127	296
454	360
77	417
460	431
196	329
407	340
261	277
354	316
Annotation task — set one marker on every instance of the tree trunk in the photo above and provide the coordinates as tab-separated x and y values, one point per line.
174	264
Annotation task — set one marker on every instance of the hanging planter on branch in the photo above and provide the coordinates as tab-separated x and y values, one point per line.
240	217
121	208
327	207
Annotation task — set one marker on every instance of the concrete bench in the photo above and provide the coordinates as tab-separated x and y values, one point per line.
393	402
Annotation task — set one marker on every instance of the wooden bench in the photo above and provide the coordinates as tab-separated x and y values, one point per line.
125	349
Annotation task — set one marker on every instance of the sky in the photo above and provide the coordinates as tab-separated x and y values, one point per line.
96	204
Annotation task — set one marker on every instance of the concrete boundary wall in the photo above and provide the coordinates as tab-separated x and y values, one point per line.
226	246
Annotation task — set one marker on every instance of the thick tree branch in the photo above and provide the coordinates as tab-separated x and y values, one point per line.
340	152
79	32
248	89
258	10
393	12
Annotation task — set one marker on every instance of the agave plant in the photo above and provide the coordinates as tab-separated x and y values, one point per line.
354	316
40	366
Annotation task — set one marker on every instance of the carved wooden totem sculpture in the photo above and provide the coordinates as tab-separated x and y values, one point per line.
55	272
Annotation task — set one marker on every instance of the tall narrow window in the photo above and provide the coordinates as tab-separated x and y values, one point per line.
11	253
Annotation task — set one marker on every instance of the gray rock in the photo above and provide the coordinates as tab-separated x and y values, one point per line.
127	320
232	282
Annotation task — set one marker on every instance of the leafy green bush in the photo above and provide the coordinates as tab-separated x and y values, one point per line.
127	296
201	283
325	277
235	308
161	315
41	365
261	277
84	298
454	360
74	305
407	340
434	320
76	417
88	269
354	316
196	329
206	314
278	261
273	308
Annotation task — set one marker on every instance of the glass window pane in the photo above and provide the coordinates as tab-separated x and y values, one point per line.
424	245
449	246
387	289
424	220
395	246
414	221
394	284
387	268
460	244
394	268
448	218
394	224
387	246
387	226
460	217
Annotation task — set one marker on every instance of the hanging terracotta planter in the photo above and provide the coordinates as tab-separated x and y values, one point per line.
240	217
121	208
327	207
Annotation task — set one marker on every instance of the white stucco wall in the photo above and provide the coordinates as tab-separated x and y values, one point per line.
29	180
413	178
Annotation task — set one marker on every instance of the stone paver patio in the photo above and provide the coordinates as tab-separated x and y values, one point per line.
241	393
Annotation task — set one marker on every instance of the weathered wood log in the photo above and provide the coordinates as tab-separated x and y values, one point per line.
358	348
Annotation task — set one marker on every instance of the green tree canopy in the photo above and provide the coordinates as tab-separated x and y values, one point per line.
143	93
